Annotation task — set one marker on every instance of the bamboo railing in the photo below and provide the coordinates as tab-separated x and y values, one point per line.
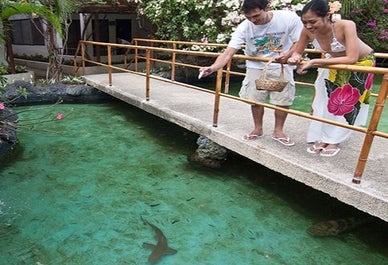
145	49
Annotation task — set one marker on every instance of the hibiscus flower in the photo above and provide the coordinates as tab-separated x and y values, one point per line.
343	99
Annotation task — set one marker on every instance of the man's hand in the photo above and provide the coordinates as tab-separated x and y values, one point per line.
205	71
282	58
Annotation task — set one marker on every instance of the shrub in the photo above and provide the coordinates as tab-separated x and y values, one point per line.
3	69
199	20
371	18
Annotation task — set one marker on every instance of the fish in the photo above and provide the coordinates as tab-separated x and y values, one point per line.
336	227
161	248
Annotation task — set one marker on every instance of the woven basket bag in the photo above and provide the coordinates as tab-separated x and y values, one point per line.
263	83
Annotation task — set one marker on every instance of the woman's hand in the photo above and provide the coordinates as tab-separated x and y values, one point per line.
302	68
294	59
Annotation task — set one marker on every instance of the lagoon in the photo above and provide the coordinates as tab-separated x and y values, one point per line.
77	190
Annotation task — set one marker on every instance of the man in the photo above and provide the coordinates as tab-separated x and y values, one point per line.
270	34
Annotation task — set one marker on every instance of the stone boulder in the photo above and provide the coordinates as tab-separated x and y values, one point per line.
8	139
52	93
209	153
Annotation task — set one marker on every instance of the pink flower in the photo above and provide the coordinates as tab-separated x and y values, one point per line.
383	34
59	116
342	100
372	23
2	106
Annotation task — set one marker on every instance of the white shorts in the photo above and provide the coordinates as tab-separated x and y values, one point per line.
284	98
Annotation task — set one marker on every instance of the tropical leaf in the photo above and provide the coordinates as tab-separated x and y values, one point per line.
351	116
330	87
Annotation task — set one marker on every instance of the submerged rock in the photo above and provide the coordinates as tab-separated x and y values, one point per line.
209	153
8	139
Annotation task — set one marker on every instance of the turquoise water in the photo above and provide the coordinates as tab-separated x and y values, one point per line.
77	190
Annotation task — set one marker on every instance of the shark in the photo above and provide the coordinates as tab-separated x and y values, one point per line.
161	248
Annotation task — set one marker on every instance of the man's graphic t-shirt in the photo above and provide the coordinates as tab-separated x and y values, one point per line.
269	39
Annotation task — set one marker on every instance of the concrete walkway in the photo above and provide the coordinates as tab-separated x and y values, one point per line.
193	110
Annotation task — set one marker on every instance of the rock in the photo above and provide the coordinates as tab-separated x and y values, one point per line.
209	153
8	139
52	93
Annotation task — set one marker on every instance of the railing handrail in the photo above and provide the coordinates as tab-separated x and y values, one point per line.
377	54
366	69
369	132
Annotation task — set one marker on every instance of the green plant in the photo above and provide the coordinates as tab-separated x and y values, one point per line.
35	57
44	82
20	69
199	20
73	80
3	69
3	83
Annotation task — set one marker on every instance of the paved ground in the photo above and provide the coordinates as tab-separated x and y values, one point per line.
193	110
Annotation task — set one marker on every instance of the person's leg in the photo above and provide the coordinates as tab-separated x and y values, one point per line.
283	99
257	114
278	134
280	119
248	91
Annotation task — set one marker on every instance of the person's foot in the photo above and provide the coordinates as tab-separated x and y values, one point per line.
330	150
284	140
254	135
251	137
316	148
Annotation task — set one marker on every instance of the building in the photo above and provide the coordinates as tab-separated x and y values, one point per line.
115	23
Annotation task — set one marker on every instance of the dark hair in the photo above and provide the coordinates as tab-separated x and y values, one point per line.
319	7
249	5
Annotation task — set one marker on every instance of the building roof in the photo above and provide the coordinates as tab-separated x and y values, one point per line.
111	6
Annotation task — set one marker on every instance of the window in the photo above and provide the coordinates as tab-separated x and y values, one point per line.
26	32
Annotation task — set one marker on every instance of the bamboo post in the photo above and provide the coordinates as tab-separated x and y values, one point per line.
148	70
378	110
227	77
152	54
217	98
173	62
136	54
110	64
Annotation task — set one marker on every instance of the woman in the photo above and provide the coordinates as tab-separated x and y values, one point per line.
340	95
